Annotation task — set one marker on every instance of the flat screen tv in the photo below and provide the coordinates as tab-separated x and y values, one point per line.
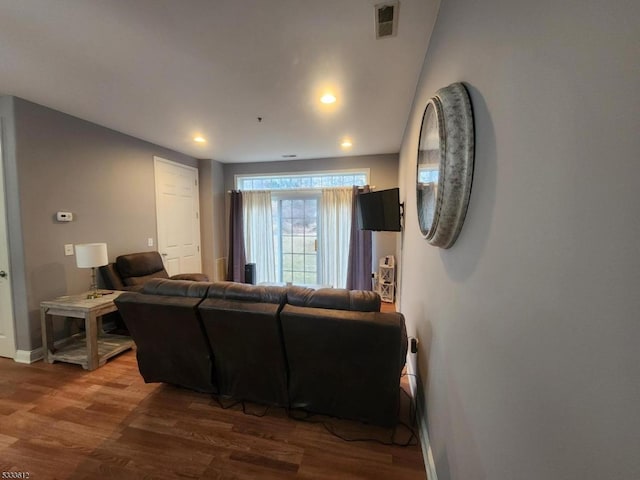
379	211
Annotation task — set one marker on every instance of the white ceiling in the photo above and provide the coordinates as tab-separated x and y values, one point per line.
168	70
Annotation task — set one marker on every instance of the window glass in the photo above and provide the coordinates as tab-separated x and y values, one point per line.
301	181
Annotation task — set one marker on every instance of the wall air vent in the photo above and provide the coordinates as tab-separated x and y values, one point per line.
386	19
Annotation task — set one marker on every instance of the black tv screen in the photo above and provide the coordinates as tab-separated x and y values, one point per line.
379	211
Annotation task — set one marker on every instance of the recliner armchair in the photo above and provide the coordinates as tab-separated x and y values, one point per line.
132	271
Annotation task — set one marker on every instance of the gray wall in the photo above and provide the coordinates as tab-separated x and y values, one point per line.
212	220
529	325
104	177
383	174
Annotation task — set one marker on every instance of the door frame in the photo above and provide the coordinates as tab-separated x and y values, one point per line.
156	161
4	252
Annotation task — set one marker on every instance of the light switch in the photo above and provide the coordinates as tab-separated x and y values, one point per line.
150	242
68	249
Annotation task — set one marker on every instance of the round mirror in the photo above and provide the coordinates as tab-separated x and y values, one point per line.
430	151
445	165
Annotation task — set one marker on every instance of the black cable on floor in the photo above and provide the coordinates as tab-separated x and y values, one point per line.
411	441
392	441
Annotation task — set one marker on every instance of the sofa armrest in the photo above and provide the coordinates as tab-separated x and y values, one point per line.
195	277
110	277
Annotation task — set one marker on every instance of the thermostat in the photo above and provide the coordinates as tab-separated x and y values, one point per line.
64	216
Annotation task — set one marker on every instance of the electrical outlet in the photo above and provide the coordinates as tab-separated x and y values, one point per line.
68	249
414	344
149	242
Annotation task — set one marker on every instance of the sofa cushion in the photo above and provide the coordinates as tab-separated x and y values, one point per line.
247	292
176	288
334	298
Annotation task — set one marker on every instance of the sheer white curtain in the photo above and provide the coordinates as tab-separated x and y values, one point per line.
258	234
335	233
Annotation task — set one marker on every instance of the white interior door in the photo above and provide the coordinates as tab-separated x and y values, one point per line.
178	217
7	337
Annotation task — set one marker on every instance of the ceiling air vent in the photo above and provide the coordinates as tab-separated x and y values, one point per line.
386	19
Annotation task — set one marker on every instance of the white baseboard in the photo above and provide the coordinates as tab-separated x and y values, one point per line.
28	356
418	396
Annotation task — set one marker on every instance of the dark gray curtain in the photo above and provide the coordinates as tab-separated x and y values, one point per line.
237	256
359	271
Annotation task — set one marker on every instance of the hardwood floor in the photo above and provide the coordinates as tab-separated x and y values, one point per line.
59	421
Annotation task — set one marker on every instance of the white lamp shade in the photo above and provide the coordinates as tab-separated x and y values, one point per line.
91	255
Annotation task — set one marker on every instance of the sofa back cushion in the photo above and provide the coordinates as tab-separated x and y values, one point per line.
137	268
176	288
248	293
334	298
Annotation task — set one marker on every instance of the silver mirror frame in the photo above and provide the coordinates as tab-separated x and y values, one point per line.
455	173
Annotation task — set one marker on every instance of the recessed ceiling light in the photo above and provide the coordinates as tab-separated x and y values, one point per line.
346	143
199	139
328	98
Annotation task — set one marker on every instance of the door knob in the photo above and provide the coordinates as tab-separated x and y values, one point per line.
3	274
164	254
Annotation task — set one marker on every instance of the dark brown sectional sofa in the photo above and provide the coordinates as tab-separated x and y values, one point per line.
328	351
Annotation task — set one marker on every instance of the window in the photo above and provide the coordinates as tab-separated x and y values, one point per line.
305	181
428	174
296	218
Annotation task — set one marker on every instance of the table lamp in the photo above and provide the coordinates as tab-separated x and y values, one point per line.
92	255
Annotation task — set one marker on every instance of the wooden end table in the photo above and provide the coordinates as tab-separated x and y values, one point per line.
91	349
